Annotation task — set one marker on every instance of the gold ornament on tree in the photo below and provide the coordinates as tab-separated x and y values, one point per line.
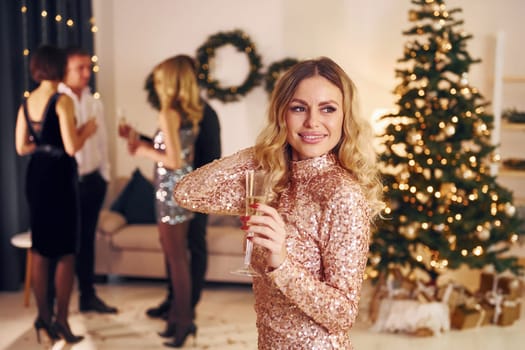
450	130
464	79
510	210
413	137
409	231
375	259
484	234
444	43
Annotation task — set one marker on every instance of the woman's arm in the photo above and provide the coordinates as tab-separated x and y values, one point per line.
72	137
333	301
23	144
171	157
217	187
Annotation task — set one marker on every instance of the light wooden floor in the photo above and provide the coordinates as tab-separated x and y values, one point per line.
225	320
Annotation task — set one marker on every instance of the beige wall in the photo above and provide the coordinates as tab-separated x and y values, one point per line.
362	36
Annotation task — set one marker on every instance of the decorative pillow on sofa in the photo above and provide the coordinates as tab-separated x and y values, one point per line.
136	202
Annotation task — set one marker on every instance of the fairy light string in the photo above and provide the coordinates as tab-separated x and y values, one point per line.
54	19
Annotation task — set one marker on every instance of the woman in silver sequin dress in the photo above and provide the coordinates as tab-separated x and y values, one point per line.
172	150
311	239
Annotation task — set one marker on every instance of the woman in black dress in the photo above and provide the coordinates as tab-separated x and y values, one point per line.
46	130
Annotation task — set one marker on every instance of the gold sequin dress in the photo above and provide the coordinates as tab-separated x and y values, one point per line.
311	300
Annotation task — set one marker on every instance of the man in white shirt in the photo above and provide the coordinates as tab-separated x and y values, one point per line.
93	170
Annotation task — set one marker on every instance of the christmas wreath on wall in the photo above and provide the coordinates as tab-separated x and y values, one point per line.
206	52
275	70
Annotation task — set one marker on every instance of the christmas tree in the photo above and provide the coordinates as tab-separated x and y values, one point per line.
444	206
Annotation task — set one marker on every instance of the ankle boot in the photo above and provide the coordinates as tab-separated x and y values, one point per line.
65	333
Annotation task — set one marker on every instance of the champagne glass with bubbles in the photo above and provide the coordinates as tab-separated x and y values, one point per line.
122	123
256	192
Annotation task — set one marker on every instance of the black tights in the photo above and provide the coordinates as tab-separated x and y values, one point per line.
173	239
64	278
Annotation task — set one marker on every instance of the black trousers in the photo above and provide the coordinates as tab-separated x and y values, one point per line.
92	190
198	257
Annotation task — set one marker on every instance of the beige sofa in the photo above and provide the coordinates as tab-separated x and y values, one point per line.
134	250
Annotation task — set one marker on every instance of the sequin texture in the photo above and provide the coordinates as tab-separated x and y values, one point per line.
167	210
311	300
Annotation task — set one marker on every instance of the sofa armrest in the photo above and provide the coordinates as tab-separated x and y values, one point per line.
109	222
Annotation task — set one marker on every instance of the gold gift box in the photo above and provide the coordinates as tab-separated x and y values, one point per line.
508	285
464	317
510	312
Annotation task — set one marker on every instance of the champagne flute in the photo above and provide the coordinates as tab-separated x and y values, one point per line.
256	192
122	124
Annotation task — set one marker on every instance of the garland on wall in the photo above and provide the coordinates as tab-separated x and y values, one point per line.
206	52
275	70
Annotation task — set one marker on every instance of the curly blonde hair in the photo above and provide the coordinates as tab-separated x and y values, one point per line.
355	150
180	90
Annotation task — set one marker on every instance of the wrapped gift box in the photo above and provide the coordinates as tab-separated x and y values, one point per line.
464	317
504	310
489	313
453	295
510	312
508	285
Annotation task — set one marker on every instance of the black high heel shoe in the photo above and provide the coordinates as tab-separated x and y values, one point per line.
169	331
41	325
178	342
65	333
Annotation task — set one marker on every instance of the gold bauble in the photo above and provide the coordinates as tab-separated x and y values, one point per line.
444	43
510	210
439	227
376	259
411	232
484	234
450	130
413	137
464	79
468	174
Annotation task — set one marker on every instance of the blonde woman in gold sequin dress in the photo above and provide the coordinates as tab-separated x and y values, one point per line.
311	240
172	150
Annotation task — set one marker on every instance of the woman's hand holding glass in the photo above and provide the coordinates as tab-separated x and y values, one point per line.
129	133
256	193
133	141
124	129
267	229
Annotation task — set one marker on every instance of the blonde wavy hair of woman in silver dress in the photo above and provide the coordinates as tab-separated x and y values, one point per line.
311	238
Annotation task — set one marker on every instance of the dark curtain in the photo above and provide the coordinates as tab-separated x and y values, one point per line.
25	25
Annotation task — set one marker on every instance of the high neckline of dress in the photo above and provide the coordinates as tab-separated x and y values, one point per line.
305	168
